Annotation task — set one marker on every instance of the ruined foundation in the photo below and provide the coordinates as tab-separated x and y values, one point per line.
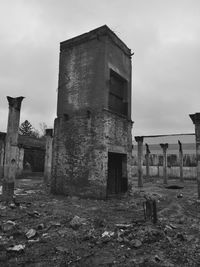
92	141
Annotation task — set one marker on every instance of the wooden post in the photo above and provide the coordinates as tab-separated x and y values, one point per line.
181	161
48	156
196	120
139	140
164	148
147	160
11	147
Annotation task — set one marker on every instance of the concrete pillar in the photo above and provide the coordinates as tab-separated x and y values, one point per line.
147	160
48	156
139	140
158	167
11	146
181	161
20	165
196	120
164	148
2	153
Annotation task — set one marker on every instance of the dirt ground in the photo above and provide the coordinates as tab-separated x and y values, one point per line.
41	229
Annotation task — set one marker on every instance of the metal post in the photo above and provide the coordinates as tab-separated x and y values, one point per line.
139	140
147	160
164	148
181	161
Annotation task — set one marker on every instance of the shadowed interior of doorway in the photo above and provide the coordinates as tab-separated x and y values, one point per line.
117	173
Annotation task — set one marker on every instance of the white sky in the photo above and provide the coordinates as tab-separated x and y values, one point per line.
163	34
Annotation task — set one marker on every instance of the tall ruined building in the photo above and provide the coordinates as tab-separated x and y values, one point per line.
92	132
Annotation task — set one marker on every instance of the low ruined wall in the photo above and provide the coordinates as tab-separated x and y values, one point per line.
189	160
173	172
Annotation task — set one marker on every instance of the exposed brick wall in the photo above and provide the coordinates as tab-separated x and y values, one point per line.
81	148
85	130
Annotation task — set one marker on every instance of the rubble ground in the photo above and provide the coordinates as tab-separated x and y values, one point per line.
40	229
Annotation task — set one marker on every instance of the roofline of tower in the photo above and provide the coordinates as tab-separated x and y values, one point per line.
95	34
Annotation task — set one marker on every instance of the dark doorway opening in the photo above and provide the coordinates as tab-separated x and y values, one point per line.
117	173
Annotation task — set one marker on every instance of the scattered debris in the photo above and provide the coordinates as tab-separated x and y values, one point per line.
107	234
181	237
2	207
62	249
8	226
16	248
76	222
157	259
63	232
74	198
129	239
33	213
16	202
30	191
31	233
33	240
19	191
99	222
168	229
136	243
12	205
40	226
180	195
55	224
123	226
172	226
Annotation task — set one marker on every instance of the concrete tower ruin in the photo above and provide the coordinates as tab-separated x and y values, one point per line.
92	132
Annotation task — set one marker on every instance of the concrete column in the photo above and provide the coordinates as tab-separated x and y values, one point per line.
196	120
11	146
164	148
2	152
48	156
20	166
147	160
157	163
139	140
181	161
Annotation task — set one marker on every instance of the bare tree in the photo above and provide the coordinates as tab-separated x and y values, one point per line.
43	127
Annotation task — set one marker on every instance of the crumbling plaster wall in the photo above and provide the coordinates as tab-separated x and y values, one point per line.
80	78
81	147
84	130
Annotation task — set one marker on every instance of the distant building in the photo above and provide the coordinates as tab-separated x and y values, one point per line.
156	155
34	152
31	153
154	141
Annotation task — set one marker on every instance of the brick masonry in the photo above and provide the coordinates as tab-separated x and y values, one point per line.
85	130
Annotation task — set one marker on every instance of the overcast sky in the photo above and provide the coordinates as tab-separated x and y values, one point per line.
163	34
